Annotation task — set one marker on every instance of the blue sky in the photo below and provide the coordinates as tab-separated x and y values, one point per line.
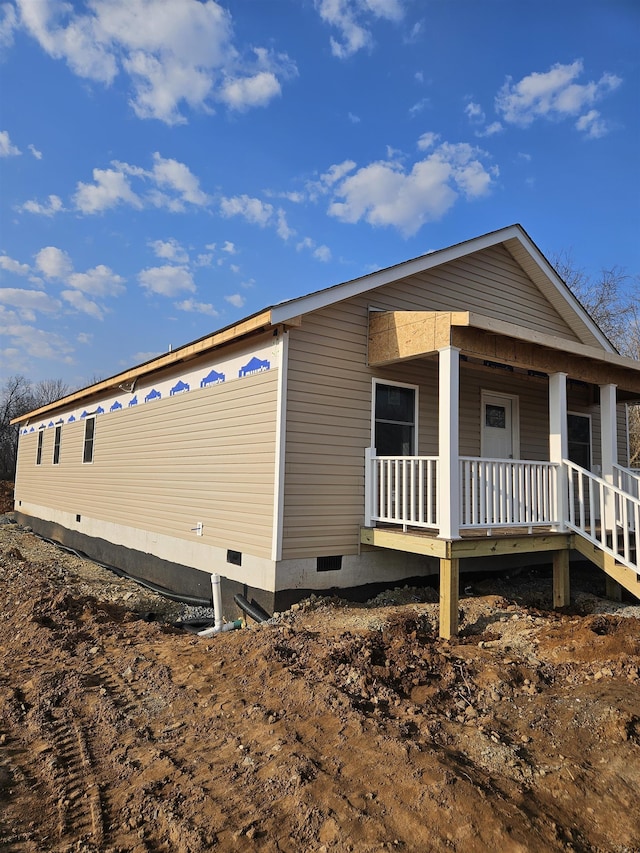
170	166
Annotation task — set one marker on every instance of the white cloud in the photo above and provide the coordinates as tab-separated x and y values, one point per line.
167	280
351	19
99	281
477	117
490	129
427	140
53	206
354	119
554	94
592	124
176	53
383	193
172	185
229	247
110	189
282	228
321	253
8	23
235	299
245	92
7	148
80	302
32	342
474	112
205	259
252	209
37	154
329	178
53	263
170	250
84	337
192	306
29	300
418	107
10	265
179	178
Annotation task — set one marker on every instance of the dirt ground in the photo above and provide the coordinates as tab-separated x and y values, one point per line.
336	727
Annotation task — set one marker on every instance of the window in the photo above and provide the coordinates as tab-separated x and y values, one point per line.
89	434
394	419
57	438
579	440
39	450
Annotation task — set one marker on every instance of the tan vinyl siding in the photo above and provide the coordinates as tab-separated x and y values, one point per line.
327	429
489	282
329	424
208	455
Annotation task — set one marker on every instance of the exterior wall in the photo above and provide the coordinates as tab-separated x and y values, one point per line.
489	282
162	467
329	402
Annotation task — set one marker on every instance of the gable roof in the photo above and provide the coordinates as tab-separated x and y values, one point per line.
517	242
514	238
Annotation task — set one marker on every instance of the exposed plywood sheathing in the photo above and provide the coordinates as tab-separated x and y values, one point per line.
401	335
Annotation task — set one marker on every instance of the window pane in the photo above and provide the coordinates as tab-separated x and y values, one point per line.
394	403
56	445
394	439
89	430
495	416
578	428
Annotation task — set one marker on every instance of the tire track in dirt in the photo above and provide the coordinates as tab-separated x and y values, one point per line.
79	806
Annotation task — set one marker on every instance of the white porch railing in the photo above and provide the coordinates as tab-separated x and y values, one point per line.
402	490
494	493
507	493
603	513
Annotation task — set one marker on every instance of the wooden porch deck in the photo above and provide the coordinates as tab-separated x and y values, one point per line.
473	543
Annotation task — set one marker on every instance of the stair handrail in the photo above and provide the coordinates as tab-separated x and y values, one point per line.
619	514
627	479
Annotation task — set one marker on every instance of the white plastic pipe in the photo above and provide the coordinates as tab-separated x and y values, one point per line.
217	601
226	626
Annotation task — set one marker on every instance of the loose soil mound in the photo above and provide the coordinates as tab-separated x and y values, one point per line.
337	728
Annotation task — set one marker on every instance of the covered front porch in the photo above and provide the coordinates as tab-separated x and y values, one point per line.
454	506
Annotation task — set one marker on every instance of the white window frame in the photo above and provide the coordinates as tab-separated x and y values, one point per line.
93	441
39	447
57	444
393	384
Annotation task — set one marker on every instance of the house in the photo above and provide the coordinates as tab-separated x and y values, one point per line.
458	407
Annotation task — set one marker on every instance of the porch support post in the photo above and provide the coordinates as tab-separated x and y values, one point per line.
558	441
369	486
561	591
609	450
608	428
448	443
449	580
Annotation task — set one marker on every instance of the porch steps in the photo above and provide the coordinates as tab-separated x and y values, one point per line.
627	578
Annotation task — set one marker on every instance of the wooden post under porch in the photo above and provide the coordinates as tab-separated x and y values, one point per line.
450	552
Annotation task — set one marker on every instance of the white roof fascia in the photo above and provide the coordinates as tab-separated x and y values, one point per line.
548	270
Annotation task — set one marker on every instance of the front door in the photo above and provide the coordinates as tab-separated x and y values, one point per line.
499	426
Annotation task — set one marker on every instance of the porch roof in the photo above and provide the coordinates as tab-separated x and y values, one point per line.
401	335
